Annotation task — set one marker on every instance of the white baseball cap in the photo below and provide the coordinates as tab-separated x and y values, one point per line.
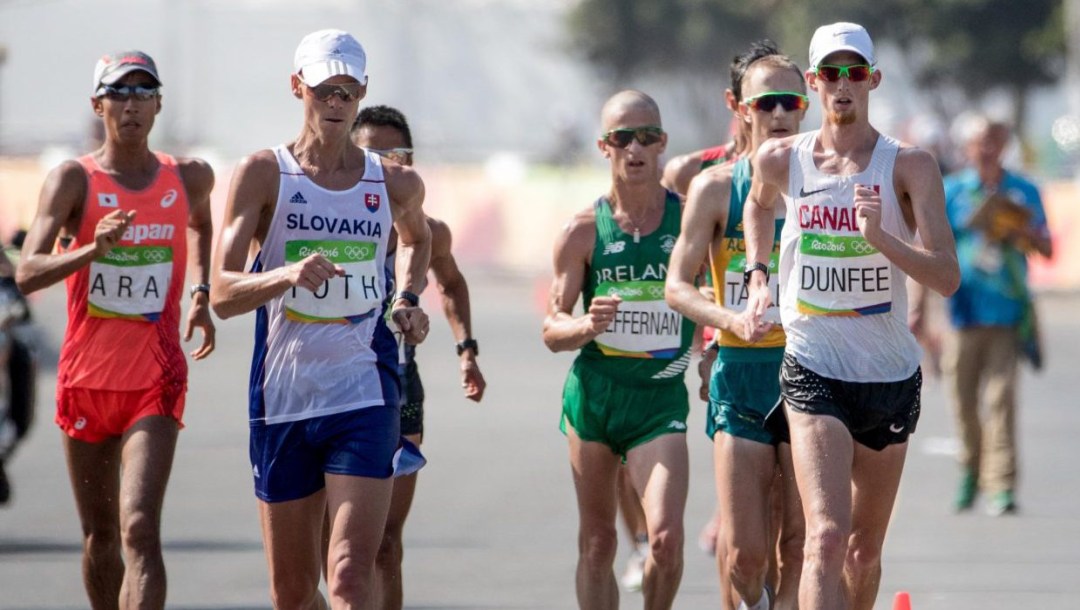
111	68
327	53
829	39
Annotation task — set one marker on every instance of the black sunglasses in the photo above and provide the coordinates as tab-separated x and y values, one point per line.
621	138
347	92
123	94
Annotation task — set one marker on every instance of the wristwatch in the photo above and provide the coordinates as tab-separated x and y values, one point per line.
468	344
750	269
408	297
197	288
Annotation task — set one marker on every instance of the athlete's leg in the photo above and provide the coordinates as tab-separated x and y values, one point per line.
660	470
875	478
822	451
744	473
147	450
94	469
292	533
595	469
358	507
792	533
388	586
1000	372
633	520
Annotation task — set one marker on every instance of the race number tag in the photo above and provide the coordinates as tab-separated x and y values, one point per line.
644	326
130	282
841	275
735	293
346	299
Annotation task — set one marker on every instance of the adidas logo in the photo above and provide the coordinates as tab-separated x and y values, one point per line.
297	198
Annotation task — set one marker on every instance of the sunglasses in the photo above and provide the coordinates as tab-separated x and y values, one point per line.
621	138
788	100
855	74
347	92
397	155
123	94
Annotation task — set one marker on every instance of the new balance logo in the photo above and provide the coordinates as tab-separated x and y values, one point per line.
614	247
297	198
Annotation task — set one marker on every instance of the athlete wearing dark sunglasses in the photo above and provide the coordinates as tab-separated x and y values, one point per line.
621	138
125	92
856	73
767	102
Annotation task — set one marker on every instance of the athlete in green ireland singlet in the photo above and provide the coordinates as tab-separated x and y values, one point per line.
625	400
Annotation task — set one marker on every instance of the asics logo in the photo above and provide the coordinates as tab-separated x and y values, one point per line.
169	198
614	247
803	192
80	423
297	198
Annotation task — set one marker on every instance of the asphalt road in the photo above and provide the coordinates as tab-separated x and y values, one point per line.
494	523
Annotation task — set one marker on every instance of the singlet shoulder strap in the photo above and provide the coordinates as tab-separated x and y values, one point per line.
605	220
287	163
373	169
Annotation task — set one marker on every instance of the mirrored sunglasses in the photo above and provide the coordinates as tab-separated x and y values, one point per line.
788	100
621	138
855	74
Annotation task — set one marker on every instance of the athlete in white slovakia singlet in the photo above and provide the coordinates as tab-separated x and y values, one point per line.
323	399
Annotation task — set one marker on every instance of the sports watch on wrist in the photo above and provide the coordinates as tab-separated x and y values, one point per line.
750	269
408	297
468	344
197	288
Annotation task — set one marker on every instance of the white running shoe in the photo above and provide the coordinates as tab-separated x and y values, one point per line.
635	569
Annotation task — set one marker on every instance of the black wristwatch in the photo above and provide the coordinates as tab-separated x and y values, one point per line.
408	297
750	269
468	344
197	288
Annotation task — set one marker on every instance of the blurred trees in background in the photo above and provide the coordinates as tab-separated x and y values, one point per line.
958	50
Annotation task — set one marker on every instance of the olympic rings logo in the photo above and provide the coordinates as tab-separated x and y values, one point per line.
656	292
357	252
861	246
154	256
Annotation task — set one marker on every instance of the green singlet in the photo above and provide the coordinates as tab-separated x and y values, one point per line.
626	387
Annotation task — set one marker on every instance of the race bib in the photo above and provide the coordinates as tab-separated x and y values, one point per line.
644	326
736	294
842	275
346	299
130	282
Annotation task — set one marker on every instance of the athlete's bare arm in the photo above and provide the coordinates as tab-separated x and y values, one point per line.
60	208
770	167
680	171
248	210
917	182
704	216
455	298
406	191
573	253
198	180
